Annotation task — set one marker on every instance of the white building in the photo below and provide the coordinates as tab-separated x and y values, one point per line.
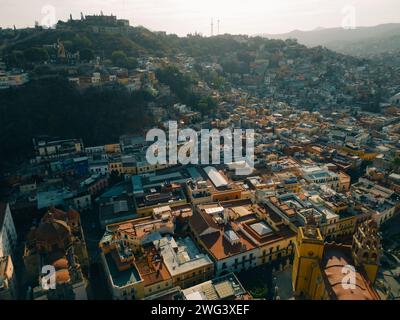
4	80
395	99
8	235
383	201
8	79
98	166
321	176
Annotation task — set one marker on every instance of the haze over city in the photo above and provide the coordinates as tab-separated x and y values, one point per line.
175	152
188	16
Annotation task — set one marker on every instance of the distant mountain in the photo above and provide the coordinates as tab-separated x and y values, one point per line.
362	41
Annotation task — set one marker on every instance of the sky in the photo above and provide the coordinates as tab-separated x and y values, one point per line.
188	16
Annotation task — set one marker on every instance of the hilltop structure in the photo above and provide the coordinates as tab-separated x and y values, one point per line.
96	23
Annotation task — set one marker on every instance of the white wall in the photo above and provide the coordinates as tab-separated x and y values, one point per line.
8	235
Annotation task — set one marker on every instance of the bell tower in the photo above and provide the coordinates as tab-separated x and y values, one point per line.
308	254
366	248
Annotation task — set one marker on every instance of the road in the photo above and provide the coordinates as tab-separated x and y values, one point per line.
93	232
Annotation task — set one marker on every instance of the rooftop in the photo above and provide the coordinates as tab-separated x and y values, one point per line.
243	231
181	255
121	278
336	258
225	287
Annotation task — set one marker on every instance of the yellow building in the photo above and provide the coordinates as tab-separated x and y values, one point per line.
292	186
123	81
344	182
129	167
330	271
8	280
363	153
366	248
116	165
112	148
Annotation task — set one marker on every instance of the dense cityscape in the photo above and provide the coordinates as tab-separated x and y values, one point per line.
80	198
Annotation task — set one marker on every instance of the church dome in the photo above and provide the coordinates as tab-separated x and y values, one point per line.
60	264
53	231
62	276
73	215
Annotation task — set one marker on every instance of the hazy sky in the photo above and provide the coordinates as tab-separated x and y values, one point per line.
188	16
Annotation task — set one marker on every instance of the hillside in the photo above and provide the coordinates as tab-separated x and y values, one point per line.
362	41
189	70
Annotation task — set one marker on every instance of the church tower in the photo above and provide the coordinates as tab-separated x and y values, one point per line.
366	248
308	254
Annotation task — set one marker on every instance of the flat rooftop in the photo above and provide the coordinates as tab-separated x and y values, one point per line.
225	287
181	255
121	278
244	232
160	195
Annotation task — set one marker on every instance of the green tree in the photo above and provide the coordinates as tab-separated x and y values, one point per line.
55	107
131	63
36	54
206	105
396	162
15	58
86	54
119	58
82	42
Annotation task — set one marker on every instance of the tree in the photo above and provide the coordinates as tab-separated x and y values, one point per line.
36	54
55	107
86	54
206	105
176	80
15	59
82	42
131	63
119	58
107	63
396	163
